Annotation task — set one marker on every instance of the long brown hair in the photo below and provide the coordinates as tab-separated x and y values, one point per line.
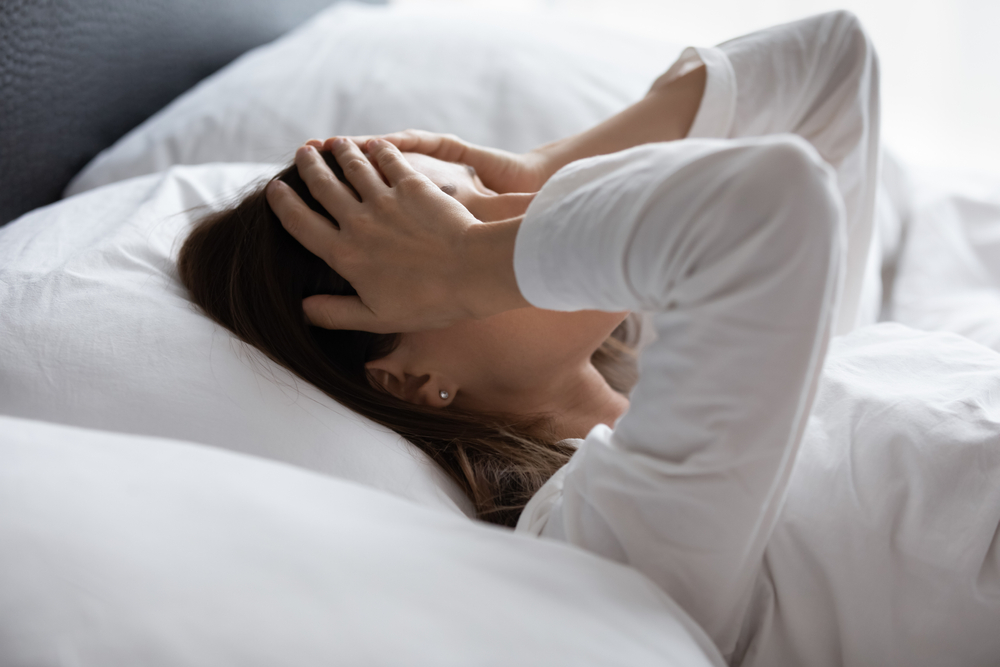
249	275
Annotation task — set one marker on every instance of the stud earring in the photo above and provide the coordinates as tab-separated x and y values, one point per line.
444	395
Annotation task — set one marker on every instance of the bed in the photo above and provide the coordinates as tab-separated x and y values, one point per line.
168	495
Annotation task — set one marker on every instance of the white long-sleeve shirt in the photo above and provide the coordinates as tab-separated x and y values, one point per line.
742	279
737	246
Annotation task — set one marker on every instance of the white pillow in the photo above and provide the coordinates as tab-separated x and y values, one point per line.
948	272
122	551
96	330
497	78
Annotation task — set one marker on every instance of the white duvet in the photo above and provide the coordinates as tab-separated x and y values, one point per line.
890	525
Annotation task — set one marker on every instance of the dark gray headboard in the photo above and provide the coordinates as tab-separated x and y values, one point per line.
77	74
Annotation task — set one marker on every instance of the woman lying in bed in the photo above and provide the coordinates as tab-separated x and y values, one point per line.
495	347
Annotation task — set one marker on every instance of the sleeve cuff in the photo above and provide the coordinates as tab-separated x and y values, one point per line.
559	242
718	104
528	268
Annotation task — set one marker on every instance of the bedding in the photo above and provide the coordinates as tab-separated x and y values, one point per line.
504	79
122	551
97	332
948	269
887	551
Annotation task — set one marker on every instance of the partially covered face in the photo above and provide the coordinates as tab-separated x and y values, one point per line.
505	363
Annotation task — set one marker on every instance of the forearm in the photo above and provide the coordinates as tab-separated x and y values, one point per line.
489	285
665	114
735	247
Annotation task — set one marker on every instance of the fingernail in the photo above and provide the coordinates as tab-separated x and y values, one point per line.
374	143
338	142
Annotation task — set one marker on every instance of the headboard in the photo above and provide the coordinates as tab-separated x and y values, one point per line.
75	75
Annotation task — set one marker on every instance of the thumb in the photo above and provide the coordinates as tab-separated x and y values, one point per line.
328	311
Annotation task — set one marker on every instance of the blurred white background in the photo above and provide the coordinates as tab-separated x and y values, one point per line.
940	59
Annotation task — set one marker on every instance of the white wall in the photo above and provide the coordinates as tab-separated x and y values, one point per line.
940	59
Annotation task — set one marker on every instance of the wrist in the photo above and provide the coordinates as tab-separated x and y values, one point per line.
488	285
546	160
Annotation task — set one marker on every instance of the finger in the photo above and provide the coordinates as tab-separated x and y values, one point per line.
360	141
335	197
358	171
442	146
315	143
309	228
390	161
342	312
413	141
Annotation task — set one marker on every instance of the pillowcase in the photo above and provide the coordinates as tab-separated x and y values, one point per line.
948	269
121	551
511	80
97	331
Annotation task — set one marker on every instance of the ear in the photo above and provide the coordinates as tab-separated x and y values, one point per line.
435	392
427	389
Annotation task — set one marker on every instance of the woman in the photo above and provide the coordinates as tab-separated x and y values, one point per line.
737	245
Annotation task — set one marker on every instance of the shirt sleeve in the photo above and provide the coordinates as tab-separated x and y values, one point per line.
735	246
817	78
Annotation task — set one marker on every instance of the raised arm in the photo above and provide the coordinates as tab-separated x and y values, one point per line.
817	78
736	248
735	245
664	114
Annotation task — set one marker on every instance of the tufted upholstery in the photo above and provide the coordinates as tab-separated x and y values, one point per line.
77	74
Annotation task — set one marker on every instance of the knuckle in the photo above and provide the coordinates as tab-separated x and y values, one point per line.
355	165
405	186
322	177
292	224
389	156
411	184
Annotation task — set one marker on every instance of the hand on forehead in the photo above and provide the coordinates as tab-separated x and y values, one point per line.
457	180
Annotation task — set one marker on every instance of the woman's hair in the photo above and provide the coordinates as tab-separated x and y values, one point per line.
250	275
